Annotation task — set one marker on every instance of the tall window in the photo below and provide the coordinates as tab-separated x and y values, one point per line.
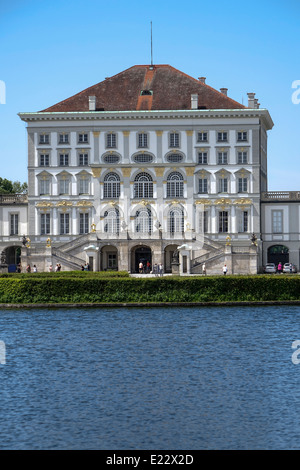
277	221
203	187
112	221
143	186
242	157
175	184
222	158
174	139
64	186
14	224
112	185
243	221
203	222
223	222
45	224
111	140
202	158
242	136
83	159
44	159
64	159
44	186
83	185
64	224
176	221
143	221
243	185
143	140
223	185
83	223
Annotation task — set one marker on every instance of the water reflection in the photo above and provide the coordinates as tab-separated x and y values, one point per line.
182	378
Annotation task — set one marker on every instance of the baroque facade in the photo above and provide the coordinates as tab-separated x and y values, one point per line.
148	164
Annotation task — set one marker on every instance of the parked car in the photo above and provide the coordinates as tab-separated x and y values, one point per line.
270	268
287	268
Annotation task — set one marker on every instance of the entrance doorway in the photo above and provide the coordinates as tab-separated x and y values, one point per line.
278	253
142	254
12	257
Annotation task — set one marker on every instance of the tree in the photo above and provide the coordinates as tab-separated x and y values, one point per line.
10	187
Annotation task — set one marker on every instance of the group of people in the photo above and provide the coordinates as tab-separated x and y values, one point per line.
158	269
85	267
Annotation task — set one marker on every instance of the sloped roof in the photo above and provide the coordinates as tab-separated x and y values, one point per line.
167	89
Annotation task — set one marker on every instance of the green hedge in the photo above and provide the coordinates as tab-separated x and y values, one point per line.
97	289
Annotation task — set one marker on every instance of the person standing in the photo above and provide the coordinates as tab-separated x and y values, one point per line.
204	269
225	269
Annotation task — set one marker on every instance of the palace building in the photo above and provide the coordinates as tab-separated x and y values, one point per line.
149	166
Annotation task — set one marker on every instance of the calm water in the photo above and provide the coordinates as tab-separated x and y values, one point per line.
182	378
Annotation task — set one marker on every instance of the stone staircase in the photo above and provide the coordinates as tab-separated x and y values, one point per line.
212	253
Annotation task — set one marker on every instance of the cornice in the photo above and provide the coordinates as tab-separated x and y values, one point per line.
150	115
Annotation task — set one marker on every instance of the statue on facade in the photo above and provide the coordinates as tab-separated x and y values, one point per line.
24	240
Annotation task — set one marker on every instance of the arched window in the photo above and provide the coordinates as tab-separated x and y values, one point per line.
143	186
176	221
143	221
111	185
175	184
112	221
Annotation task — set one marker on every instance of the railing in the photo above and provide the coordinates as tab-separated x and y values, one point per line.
13	199
280	196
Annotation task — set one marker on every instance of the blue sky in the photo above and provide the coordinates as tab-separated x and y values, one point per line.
52	50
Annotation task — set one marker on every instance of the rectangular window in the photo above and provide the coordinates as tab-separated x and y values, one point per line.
44	187
242	157
223	222
202	137
83	138
112	261
223	185
243	221
277	221
83	186
14	224
143	140
174	139
83	223
222	158
44	139
45	224
83	159
242	136
222	136
203	188
111	140
64	224
243	185
44	160
202	158
63	139
64	186
64	159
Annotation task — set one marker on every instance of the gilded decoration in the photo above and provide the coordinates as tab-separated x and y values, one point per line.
44	205
243	202
189	170
223	202
96	172
206	202
96	133
84	203
159	171
48	243
64	204
126	172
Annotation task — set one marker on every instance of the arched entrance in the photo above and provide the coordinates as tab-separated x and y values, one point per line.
11	257
278	253
141	254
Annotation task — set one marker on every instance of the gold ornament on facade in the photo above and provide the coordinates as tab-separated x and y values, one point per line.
48	242
189	171
126	172
93	228
96	172
243	202
159	171
84	203
64	204
228	240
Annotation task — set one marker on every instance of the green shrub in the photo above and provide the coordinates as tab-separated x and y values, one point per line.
113	288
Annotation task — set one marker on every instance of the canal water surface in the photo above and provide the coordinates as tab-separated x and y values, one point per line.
150	378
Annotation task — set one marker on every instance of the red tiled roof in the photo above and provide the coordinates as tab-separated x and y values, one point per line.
170	88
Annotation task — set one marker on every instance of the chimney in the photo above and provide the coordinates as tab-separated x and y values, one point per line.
92	103
194	101
224	91
256	103
202	79
251	100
